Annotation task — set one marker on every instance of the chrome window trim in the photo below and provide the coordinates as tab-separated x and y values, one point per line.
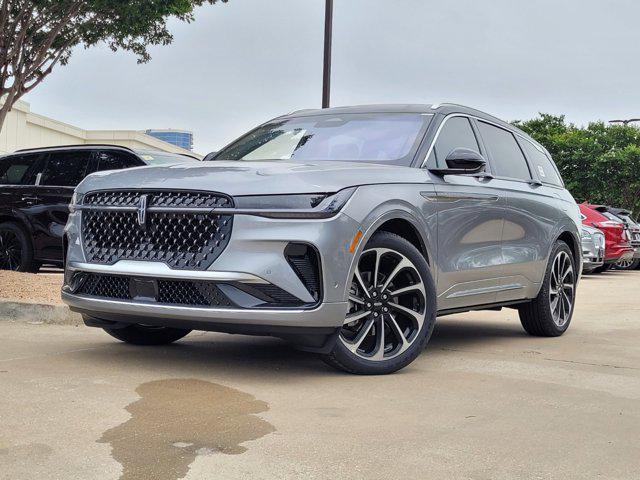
490	122
437	135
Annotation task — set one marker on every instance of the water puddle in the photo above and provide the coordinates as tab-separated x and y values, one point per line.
176	420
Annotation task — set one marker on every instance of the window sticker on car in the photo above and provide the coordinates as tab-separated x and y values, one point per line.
541	171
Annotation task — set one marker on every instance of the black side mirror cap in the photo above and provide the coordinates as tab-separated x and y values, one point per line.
462	161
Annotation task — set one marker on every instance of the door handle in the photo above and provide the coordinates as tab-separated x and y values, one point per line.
29	199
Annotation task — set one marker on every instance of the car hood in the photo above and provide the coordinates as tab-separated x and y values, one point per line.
253	178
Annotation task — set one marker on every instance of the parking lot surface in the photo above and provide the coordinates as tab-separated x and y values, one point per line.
485	401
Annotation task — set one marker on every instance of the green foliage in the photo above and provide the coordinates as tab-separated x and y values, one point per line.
36	35
599	163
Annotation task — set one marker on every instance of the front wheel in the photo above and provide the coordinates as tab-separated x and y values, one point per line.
392	309
147	334
550	313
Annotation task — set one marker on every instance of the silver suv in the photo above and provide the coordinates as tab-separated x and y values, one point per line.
345	230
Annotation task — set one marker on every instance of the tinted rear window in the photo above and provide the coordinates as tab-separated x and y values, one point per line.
13	169
116	160
66	169
541	164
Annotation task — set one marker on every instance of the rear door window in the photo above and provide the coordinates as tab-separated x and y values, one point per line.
14	169
66	169
508	159
456	133
116	160
541	163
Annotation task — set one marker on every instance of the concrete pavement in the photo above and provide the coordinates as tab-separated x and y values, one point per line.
485	401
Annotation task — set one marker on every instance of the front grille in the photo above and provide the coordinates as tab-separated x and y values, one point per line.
182	292
190	293
182	240
197	293
108	286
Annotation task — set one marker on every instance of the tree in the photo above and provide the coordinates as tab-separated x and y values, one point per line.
37	35
599	163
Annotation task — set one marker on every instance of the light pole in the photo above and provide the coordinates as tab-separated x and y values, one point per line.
625	122
326	71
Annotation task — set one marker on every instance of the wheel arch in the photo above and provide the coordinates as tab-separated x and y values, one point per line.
406	229
8	216
396	221
573	243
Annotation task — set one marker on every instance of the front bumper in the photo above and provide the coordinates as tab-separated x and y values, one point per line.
627	254
592	253
253	257
324	315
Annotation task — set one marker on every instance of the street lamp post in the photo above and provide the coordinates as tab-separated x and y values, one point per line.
625	122
326	71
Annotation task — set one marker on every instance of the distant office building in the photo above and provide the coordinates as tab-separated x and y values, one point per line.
179	138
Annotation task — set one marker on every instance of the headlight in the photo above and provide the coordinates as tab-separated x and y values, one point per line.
585	234
316	205
76	199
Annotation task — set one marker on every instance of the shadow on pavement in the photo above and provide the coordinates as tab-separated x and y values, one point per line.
256	356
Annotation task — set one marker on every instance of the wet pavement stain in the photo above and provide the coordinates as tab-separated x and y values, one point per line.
176	420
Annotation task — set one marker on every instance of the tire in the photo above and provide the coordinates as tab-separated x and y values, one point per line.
628	265
542	316
147	335
406	319
601	269
16	251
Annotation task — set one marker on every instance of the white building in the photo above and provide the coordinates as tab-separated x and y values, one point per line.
24	129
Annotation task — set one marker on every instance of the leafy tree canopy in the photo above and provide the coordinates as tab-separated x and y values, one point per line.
599	163
36	35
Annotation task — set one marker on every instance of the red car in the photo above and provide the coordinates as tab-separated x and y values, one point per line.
617	242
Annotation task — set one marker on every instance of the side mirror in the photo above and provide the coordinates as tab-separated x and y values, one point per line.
462	161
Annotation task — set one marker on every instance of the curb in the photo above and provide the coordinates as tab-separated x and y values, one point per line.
38	314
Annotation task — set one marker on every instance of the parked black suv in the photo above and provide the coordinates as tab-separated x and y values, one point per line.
36	186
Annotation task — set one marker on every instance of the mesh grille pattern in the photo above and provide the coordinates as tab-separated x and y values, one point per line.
182	240
107	286
180	292
195	293
191	293
126	198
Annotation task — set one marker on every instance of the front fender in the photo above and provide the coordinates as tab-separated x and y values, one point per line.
403	202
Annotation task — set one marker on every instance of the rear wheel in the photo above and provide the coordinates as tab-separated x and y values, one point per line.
16	252
550	313
630	264
138	334
392	309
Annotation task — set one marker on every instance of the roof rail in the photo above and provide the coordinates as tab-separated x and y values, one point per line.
78	145
300	111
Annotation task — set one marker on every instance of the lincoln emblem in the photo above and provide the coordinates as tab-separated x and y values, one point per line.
142	212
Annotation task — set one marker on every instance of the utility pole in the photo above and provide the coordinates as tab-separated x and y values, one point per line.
326	71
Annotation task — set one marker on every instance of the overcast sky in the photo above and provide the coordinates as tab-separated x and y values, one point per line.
246	61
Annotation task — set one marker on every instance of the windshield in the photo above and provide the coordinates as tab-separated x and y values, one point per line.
164	158
374	138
